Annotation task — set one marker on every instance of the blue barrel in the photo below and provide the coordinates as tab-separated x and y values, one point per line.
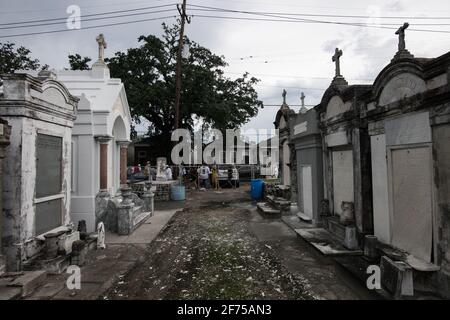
177	193
257	189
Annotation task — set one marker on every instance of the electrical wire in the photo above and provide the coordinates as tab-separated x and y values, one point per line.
85	28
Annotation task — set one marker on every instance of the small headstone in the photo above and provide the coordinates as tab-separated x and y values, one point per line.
350	240
101	236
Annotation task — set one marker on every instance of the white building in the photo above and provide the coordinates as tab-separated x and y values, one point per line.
100	137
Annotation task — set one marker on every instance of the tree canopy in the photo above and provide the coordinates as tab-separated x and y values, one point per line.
12	58
78	63
148	73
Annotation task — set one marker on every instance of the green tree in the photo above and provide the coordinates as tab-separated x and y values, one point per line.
12	58
148	73
78	63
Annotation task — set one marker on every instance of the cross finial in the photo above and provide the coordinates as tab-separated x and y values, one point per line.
302	98
336	59
284	96
101	46
401	36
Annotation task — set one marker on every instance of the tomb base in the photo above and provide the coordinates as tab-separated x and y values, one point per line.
2	264
397	277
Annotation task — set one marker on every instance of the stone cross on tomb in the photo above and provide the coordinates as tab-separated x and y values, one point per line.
101	46
284	96
401	36
336	59
302	98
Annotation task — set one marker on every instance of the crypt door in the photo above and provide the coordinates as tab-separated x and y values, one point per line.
411	183
342	179
307	191
48	197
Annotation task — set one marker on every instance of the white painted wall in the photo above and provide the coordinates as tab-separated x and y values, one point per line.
307	191
343	188
381	220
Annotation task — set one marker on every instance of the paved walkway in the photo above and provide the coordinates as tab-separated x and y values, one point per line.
105	267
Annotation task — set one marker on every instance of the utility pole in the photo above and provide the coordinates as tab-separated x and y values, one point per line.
183	20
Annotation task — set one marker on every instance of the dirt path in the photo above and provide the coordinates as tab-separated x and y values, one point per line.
219	247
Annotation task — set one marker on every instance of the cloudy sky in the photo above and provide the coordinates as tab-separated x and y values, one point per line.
283	54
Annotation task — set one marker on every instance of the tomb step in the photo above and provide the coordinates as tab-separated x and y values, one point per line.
325	242
28	281
279	203
140	219
266	208
336	228
304	217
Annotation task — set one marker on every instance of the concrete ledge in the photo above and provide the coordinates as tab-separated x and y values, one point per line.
265	208
325	242
29	281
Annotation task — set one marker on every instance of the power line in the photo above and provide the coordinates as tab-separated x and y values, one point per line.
85	28
302	20
291	87
325	22
88	15
207	8
92	19
82	6
290	76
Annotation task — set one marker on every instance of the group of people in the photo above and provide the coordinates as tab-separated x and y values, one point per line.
202	177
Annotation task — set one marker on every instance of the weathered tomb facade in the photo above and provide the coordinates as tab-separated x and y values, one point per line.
307	142
5	132
37	167
408	115
286	152
346	161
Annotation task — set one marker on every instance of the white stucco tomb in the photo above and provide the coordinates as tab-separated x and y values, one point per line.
100	137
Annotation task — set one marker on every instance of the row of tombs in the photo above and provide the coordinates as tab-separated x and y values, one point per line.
368	171
63	151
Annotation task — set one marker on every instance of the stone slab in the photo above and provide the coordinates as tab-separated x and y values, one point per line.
103	272
294	222
271	231
10	293
303	216
88	291
421	265
29	281
266	208
324	241
49	290
146	232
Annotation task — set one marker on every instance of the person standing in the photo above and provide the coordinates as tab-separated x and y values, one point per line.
168	173
204	173
147	170
215	177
